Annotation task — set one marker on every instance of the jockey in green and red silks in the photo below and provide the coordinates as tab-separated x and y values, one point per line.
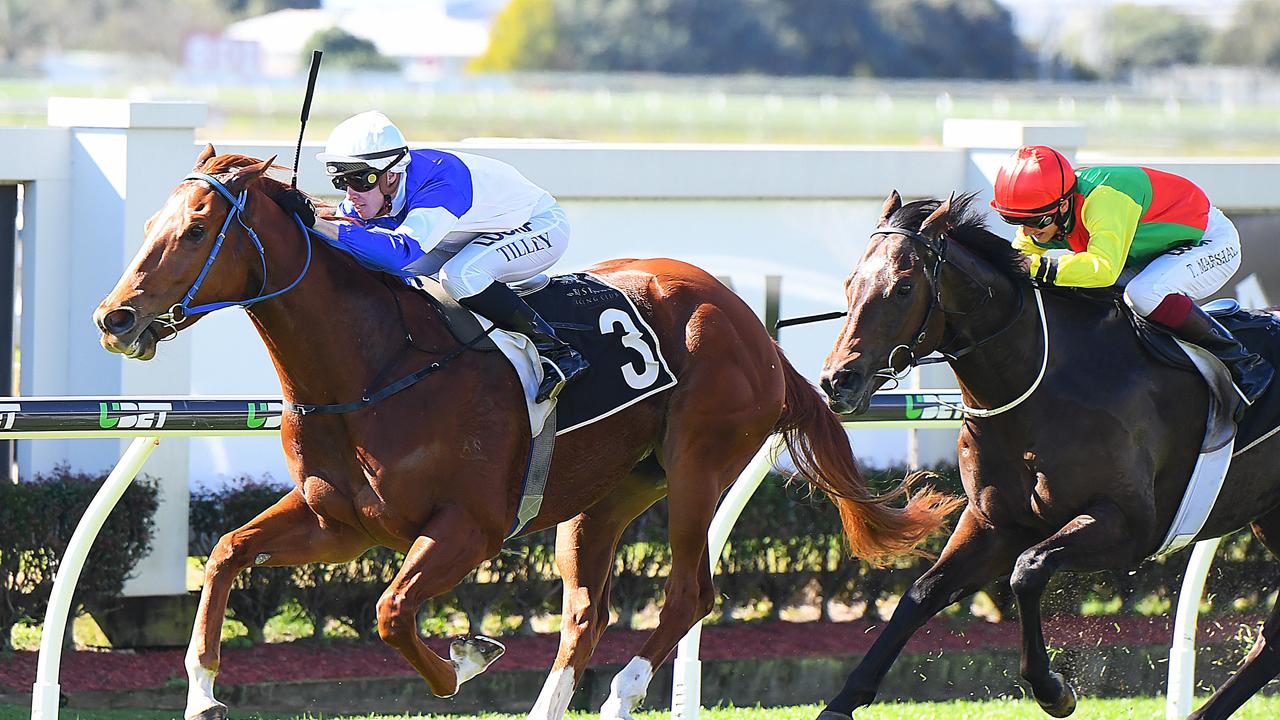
1114	218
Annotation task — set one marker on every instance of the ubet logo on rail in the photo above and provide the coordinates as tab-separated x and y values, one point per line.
137	415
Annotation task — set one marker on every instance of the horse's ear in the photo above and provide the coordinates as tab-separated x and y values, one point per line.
939	221
249	172
891	205
204	155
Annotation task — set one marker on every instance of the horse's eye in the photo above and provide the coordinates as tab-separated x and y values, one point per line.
904	288
195	234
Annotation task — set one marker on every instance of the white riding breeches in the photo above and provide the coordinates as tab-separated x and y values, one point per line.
1196	271
508	256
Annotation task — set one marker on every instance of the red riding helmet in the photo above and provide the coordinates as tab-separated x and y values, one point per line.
1032	182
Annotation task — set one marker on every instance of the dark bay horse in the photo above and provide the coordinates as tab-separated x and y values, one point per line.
1085	474
435	470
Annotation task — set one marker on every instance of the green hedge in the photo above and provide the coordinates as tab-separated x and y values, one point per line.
36	522
786	548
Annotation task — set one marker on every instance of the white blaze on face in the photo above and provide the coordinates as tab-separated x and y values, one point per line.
627	690
879	267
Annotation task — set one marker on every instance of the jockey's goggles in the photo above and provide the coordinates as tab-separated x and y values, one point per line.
1038	222
360	176
360	180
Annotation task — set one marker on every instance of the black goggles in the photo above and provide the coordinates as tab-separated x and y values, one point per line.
360	180
1038	222
362	177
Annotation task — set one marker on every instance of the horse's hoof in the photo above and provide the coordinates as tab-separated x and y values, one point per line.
472	655
217	712
1066	700
833	715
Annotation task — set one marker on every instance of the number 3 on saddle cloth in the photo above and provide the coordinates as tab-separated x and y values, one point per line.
600	322
1259	331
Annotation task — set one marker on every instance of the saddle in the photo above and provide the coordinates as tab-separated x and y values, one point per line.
461	322
1251	327
1258	330
600	321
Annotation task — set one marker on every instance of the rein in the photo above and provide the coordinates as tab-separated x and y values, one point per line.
939	251
892	374
182	310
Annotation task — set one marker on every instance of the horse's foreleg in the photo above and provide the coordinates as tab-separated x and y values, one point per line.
287	533
585	550
1263	662
1095	540
976	554
450	547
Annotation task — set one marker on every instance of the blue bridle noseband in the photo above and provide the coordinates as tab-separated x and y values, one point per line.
183	310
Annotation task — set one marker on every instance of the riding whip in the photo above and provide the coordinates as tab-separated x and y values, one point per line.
306	111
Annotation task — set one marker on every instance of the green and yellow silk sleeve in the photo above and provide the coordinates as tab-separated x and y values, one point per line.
1111	217
1026	245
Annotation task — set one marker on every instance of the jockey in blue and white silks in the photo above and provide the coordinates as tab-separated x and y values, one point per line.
474	222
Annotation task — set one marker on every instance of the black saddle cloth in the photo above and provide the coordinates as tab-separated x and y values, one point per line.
600	322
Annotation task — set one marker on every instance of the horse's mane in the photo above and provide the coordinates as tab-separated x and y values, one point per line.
968	228
234	162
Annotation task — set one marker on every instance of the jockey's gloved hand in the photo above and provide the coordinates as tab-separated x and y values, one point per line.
296	202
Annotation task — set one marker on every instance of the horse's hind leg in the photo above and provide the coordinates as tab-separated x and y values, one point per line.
701	460
1263	662
287	533
585	550
450	546
976	554
1098	539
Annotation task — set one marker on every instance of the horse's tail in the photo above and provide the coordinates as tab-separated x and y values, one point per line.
876	527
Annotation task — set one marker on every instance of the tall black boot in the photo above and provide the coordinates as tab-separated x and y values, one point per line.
1250	372
560	362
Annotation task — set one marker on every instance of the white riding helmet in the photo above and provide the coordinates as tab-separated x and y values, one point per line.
368	139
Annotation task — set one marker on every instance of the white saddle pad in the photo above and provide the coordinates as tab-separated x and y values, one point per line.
1215	453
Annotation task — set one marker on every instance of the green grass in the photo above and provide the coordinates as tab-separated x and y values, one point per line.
829	113
1261	708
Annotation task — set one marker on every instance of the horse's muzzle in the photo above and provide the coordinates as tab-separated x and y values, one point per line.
124	333
846	391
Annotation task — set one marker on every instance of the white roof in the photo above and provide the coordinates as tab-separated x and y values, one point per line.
397	29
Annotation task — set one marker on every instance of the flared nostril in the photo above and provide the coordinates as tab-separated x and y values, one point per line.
119	321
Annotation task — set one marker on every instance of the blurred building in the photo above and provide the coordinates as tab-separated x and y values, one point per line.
419	35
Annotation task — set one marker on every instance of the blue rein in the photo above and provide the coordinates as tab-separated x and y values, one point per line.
183	310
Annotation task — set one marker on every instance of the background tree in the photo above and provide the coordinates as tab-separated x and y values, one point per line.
344	50
1139	37
889	38
523	37
1253	37
31	28
945	38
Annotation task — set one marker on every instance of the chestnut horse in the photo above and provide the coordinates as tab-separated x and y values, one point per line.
435	470
1084	468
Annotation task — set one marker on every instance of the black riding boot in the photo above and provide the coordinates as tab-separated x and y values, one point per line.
1250	372
560	362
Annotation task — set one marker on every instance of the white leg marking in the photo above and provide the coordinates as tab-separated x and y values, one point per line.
627	690
199	685
553	701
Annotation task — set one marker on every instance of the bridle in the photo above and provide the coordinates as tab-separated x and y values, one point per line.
182	310
938	248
